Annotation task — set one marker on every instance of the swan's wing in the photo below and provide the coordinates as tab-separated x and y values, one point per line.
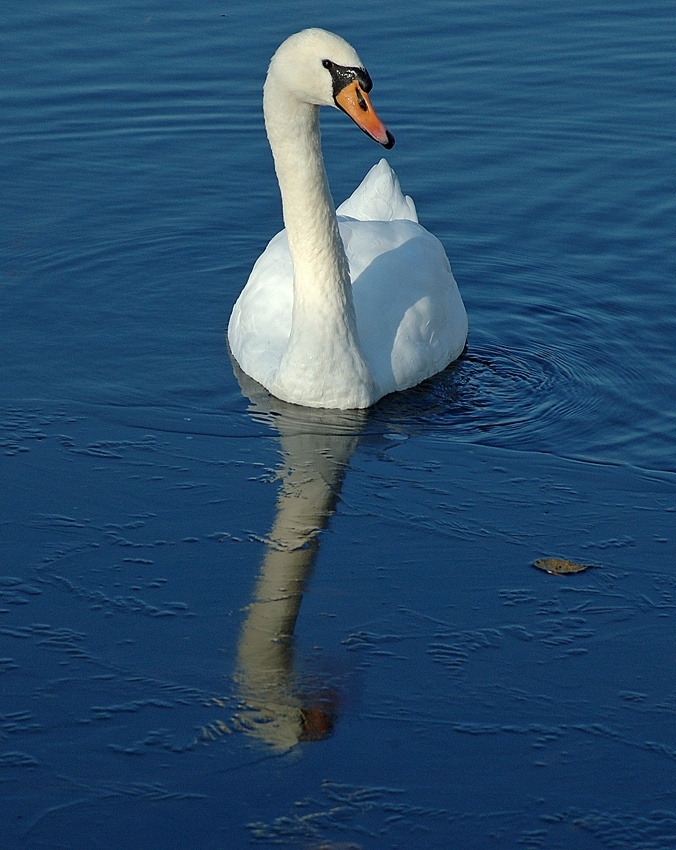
410	316
379	198
260	324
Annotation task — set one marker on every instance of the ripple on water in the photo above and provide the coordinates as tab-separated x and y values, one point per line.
554	399
496	395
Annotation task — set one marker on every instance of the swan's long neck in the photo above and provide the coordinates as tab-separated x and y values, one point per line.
323	350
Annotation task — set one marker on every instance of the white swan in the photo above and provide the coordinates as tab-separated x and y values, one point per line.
340	311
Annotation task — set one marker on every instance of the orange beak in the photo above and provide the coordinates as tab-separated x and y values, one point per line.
354	101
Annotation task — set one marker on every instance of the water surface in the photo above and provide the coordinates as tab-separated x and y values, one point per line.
446	692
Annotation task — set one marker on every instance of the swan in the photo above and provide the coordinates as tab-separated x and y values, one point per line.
344	306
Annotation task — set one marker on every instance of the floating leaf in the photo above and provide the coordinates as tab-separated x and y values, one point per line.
559	566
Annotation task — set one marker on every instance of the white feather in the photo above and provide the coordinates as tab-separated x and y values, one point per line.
352	312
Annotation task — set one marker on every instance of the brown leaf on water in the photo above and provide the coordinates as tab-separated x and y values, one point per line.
559	566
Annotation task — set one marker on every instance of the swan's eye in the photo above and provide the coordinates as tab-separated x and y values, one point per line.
328	64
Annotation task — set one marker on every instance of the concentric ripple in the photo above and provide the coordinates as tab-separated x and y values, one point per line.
494	395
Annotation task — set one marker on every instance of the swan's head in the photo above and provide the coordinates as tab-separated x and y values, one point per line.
320	68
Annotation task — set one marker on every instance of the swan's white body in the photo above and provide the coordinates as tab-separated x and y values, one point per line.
340	310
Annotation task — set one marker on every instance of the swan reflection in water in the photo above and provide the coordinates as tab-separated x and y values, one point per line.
316	446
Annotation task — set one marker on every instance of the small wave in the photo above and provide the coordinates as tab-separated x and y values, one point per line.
499	396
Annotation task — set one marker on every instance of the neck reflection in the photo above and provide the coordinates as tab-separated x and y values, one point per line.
316	447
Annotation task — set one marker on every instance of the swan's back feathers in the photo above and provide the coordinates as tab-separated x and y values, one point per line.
410	315
379	198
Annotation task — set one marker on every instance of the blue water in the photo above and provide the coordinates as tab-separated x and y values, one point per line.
473	701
